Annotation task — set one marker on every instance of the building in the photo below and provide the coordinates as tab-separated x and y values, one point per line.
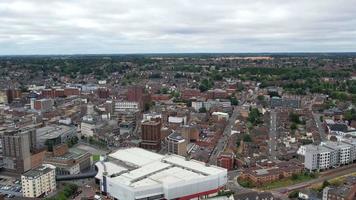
126	106
263	175
151	134
54	134
328	154
284	102
346	191
3	97
126	127
220	116
39	181
43	105
68	161
135	93
87	126
176	144
226	160
17	146
135	173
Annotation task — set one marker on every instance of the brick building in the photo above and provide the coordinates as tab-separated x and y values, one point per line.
151	134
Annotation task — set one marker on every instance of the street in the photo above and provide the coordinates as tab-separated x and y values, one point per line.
272	136
222	142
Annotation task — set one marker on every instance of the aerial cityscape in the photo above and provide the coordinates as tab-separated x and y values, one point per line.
177	100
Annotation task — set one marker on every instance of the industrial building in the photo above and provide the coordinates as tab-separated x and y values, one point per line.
135	173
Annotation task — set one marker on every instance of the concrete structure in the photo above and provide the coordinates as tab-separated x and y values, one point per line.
39	181
17	146
87	126
135	173
177	144
328	154
126	106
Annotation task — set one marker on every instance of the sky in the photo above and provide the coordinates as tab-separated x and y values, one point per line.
176	26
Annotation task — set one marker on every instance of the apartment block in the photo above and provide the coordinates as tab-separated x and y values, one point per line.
39	181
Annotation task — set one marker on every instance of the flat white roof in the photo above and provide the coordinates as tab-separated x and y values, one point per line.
109	167
136	156
194	165
152	169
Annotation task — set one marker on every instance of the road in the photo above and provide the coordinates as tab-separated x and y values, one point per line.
272	142
319	125
222	142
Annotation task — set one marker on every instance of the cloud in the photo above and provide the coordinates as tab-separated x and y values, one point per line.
142	26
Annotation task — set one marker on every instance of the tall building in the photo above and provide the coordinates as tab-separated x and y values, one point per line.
17	147
177	144
151	134
135	93
39	181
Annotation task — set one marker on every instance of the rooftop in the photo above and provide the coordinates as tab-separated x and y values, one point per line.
34	173
152	168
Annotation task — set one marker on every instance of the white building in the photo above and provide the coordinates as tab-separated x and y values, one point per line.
197	105
221	115
328	154
122	106
39	181
87	126
135	173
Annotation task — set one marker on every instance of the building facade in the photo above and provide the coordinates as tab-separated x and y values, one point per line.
39	181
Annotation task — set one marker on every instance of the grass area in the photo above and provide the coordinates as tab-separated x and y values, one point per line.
96	158
295	179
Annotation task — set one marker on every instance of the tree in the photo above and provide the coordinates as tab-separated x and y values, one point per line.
247	138
293	194
293	126
254	117
325	184
260	97
202	110
234	101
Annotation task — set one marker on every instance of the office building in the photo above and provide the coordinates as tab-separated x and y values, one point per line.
151	134
39	181
177	144
135	173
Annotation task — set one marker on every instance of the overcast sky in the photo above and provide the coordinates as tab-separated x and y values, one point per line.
164	26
